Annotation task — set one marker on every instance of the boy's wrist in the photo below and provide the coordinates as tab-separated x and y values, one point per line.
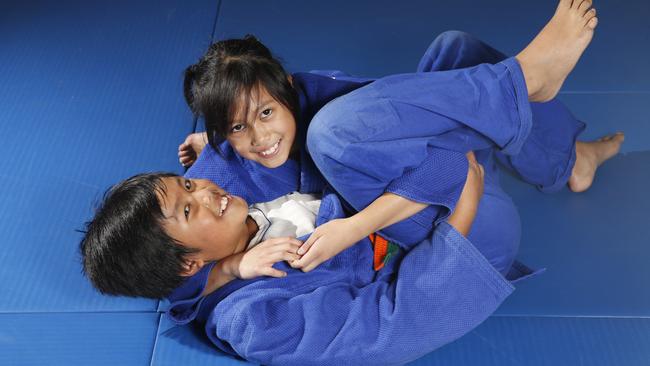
229	266
463	217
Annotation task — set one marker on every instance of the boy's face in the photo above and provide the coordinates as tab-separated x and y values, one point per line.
267	134
201	215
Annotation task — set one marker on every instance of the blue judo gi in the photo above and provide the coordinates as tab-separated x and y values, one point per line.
410	133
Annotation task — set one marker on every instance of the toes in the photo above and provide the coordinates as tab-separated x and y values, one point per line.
590	14
566	3
583	7
592	23
619	136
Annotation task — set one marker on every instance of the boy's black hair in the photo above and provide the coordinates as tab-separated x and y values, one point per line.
126	250
229	72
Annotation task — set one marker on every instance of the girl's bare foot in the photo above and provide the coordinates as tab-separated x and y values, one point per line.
191	148
551	56
589	156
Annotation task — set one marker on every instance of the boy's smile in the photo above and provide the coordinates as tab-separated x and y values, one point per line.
201	215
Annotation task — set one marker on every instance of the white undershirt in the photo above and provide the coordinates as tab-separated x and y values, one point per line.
292	215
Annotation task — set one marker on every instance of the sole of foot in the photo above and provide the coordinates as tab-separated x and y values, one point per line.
589	156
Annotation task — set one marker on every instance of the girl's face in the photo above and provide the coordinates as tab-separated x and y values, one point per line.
267	134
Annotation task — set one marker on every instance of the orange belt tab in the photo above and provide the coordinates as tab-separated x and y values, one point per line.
380	248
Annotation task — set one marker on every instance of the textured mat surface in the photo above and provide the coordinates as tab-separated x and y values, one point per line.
77	338
374	38
91	94
548	341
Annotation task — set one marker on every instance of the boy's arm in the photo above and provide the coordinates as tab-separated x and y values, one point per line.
467	206
337	235
255	262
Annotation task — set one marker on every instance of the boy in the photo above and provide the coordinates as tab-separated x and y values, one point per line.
325	316
169	227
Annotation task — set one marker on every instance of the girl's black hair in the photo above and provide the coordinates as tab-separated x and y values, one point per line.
229	72
126	250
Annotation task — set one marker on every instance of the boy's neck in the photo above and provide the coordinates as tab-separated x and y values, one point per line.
252	227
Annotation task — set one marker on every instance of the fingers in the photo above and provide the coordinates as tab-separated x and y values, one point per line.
186	160
287	241
272	272
473	163
308	261
279	249
186	155
307	244
284	253
471	157
478	170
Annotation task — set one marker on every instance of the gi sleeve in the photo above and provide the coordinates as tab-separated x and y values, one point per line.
443	289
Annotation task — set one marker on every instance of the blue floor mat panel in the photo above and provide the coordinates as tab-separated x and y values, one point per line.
607	113
187	345
594	244
40	261
77	339
514	341
499	341
380	37
92	94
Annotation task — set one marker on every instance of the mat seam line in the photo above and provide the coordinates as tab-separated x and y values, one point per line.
155	341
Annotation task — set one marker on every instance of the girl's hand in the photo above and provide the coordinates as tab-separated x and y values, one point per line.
324	243
467	206
191	148
259	260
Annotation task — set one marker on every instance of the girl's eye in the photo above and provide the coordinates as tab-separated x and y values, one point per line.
237	128
186	211
188	184
267	112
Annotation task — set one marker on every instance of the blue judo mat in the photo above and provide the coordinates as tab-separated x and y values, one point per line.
91	93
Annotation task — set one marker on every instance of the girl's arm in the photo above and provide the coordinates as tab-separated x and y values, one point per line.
337	235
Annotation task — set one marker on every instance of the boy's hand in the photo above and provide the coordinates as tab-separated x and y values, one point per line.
191	148
258	261
466	207
324	243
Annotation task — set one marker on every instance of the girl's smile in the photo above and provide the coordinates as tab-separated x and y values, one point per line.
267	134
270	152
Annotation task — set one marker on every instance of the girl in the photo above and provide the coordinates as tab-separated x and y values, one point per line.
394	149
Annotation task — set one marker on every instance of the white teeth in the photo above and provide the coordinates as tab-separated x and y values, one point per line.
224	204
271	150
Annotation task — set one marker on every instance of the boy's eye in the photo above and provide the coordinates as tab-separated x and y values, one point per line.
188	184
237	128
267	112
186	211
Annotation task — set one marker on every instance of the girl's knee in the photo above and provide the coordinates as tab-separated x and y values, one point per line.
332	128
317	136
451	38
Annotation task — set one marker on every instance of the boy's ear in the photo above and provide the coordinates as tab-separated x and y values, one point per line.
191	266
